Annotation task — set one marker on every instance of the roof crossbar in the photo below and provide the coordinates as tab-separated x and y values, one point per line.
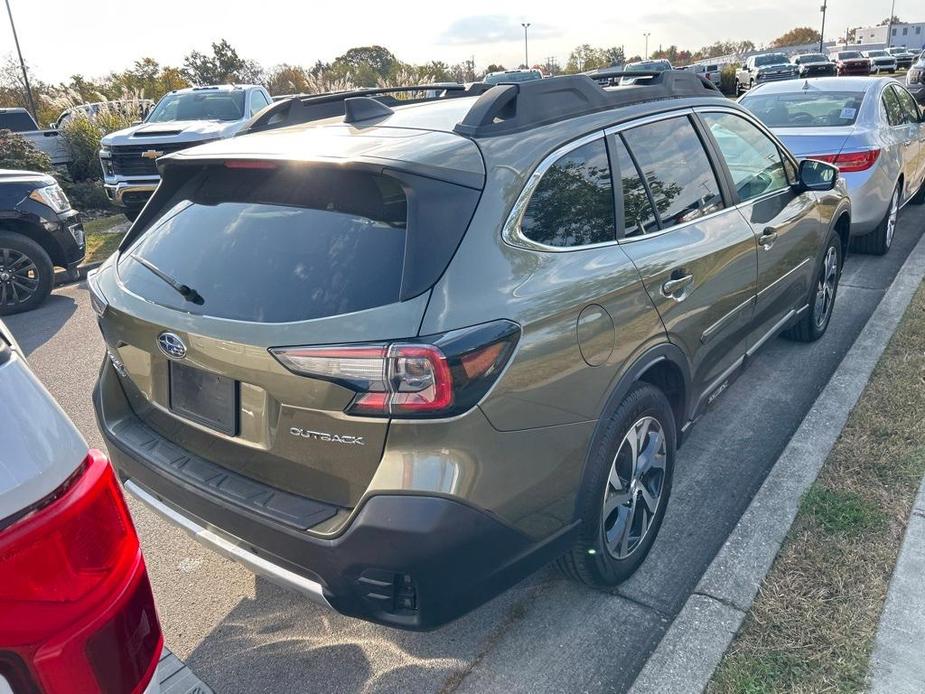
508	108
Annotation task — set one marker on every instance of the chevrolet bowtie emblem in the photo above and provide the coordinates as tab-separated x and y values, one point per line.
151	154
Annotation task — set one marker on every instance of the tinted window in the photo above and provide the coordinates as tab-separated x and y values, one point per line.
17	121
848	55
676	169
753	159
199	105
894	110
771	59
258	101
910	108
798	109
638	216
272	247
573	203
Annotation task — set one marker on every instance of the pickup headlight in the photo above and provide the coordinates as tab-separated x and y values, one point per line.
51	196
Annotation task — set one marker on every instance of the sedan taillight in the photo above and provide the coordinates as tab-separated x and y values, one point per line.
850	162
438	376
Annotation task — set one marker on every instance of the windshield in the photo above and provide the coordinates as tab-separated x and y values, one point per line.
771	59
877	54
648	66
800	109
201	105
813	58
848	55
525	76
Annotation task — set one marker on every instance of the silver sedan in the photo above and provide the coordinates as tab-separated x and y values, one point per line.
870	127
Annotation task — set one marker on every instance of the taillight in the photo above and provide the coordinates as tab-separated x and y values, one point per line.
849	162
438	376
71	569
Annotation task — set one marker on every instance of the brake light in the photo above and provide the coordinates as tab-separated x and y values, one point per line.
250	164
71	573
850	162
442	376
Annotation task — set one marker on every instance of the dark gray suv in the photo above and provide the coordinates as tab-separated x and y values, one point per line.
399	357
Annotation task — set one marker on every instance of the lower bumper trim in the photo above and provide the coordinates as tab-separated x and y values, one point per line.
258	565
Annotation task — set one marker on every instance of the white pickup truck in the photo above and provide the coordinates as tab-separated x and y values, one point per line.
20	121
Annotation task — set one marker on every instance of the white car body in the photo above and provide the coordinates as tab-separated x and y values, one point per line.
21	122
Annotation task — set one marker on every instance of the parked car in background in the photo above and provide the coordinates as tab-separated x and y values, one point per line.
660	65
814	65
76	609
915	79
38	230
141	107
870	128
183	118
710	71
880	61
765	67
402	440
850	63
508	76
20	121
904	57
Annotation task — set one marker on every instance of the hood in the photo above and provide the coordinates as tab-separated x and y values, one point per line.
173	131
14	176
803	142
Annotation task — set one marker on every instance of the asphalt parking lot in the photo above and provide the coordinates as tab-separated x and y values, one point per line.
242	634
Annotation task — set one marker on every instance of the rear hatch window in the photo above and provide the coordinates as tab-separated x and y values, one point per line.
817	109
274	246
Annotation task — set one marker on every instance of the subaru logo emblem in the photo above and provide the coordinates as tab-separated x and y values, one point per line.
171	345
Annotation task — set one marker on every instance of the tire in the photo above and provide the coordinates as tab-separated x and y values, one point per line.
879	241
600	558
816	320
26	274
131	213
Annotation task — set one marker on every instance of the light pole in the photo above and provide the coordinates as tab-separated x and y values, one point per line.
822	33
22	64
647	35
526	25
889	26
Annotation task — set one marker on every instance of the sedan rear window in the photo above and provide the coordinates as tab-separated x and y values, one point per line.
274	246
805	109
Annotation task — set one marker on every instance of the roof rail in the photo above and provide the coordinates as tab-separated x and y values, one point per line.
304	108
509	108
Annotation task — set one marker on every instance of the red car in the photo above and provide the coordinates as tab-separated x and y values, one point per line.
850	63
76	610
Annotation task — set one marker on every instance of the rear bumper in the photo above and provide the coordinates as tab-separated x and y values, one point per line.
412	561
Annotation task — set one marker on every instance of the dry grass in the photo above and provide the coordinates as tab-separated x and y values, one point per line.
100	245
812	626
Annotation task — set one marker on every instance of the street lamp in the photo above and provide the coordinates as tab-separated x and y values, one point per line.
822	33
22	64
526	25
889	26
647	35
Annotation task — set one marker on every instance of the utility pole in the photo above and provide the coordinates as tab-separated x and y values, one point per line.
647	35
526	25
822	33
889	26
22	64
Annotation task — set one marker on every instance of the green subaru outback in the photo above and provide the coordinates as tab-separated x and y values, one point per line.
396	349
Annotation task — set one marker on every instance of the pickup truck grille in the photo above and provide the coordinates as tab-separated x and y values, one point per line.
127	160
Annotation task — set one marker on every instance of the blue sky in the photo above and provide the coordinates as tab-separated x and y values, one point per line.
92	37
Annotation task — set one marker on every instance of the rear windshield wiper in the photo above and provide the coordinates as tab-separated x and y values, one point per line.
183	290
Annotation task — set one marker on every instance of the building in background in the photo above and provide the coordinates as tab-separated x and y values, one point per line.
912	36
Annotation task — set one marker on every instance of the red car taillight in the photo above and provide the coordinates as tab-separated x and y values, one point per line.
75	601
849	162
443	376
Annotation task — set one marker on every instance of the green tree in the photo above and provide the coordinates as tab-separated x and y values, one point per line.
287	79
223	66
16	152
585	57
896	20
614	55
796	37
367	62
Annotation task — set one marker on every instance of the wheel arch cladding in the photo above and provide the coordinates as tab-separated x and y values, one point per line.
842	227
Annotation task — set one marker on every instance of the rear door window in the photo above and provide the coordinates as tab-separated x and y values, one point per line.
274	246
17	121
638	215
676	169
573	203
892	107
909	107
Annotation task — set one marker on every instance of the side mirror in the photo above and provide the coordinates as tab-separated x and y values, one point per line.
817	175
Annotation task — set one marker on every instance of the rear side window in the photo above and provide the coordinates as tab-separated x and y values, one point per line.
894	110
275	246
910	108
638	215
17	121
676	169
573	203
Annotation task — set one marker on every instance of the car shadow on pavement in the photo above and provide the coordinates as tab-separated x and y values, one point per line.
280	642
34	328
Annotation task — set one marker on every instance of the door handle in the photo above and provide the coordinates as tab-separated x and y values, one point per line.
767	238
676	287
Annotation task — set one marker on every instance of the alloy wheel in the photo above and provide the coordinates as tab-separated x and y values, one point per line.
891	217
825	288
634	487
19	277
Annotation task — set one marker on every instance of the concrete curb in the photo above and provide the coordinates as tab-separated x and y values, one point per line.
690	651
898	661
61	277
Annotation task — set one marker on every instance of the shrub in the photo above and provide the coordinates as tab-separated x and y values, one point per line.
727	79
87	195
16	152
